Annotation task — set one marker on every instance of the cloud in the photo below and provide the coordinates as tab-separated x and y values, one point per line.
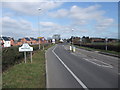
30	8
12	27
76	12
104	23
60	13
89	13
84	16
48	24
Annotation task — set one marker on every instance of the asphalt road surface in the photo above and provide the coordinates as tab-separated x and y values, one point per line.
66	69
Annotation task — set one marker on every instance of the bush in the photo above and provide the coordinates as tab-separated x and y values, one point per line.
11	55
102	47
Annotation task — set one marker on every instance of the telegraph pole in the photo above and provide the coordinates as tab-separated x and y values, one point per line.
39	9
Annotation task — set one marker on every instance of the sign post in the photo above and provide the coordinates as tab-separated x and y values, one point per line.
106	40
25	56
26	48
31	56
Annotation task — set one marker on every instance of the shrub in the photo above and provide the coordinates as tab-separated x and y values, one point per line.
102	47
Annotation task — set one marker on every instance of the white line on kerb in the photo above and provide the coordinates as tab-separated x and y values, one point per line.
46	71
78	80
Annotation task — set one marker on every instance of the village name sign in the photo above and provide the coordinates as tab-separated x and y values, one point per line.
26	48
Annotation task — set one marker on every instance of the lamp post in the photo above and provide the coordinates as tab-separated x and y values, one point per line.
39	9
72	37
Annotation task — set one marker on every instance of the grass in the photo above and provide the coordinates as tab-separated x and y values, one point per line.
27	75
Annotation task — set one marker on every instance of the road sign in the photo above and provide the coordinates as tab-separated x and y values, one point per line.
25	48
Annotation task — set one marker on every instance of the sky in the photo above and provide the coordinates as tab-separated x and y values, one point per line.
93	19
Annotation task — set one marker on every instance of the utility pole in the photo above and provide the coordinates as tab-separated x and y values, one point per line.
72	37
39	9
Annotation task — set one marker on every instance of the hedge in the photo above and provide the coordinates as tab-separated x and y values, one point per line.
102	47
12	56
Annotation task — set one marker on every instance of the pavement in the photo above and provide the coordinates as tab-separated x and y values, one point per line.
82	69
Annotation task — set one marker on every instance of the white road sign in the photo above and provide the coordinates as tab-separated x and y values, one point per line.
25	48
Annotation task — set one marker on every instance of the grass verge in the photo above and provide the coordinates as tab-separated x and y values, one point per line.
27	75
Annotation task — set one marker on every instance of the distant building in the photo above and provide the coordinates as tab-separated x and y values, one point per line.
112	40
97	40
42	40
56	37
86	39
23	40
53	41
12	41
19	42
33	41
76	40
26	40
5	42
61	40
49	40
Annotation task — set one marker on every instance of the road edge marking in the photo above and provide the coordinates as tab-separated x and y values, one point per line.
77	79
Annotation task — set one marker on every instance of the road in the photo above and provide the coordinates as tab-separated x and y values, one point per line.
69	70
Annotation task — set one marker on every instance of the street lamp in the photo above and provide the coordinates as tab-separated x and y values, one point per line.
72	37
73	48
39	9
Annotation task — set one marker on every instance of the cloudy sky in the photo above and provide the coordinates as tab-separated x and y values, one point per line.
94	19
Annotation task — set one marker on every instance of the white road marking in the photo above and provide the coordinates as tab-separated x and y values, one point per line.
65	48
78	80
92	61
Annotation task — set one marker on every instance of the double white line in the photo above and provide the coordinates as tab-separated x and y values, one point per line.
77	79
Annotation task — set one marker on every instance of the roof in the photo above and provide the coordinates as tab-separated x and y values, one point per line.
33	38
27	39
11	38
37	39
5	38
19	40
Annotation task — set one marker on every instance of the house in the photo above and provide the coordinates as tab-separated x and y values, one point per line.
76	40
5	42
42	40
112	40
1	42
12	41
19	42
97	40
26	40
33	41
23	40
86	39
